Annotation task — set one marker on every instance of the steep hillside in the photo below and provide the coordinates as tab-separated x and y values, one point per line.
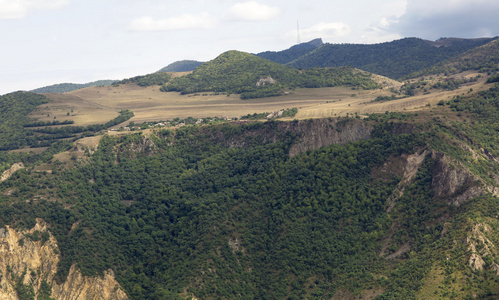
68	87
394	206
293	53
255	77
392	59
14	110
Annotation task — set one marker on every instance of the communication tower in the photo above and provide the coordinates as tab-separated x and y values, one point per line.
298	40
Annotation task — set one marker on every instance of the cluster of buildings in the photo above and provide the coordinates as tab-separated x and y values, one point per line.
275	114
175	124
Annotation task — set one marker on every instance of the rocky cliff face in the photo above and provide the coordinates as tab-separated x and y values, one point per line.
312	134
28	264
453	181
315	134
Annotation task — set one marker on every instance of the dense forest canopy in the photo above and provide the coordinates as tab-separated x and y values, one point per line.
251	194
14	110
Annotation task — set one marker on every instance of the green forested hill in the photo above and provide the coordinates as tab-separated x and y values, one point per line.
182	66
14	110
392	59
240	72
483	59
225	212
68	87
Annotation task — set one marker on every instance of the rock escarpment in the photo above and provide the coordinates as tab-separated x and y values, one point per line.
454	181
315	134
28	265
311	134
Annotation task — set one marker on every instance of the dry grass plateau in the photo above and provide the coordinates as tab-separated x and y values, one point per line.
100	104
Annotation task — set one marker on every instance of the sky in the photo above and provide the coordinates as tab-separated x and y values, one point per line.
44	42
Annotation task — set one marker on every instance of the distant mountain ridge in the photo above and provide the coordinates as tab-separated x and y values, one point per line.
69	87
445	42
484	59
398	59
394	59
293	53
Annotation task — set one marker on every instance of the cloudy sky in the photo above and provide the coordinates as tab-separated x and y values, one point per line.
45	42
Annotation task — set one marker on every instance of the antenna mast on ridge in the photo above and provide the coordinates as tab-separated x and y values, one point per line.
298	41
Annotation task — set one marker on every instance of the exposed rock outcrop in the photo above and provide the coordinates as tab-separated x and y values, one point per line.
412	164
265	81
89	144
14	168
144	146
481	246
30	258
81	287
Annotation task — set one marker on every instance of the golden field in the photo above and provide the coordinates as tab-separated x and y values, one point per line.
100	104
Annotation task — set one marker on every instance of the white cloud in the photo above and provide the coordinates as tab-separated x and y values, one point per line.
327	31
426	8
448	18
17	9
186	21
379	31
252	11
